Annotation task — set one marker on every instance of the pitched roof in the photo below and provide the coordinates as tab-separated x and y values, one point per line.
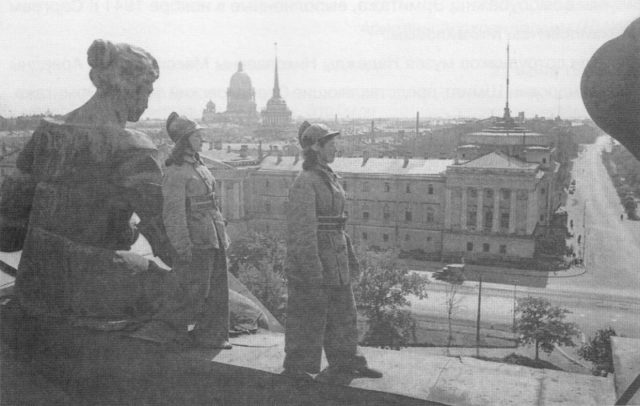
498	160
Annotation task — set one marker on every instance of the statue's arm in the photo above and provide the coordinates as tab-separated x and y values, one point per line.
141	175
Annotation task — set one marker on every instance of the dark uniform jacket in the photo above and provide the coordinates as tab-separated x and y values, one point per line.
191	216
325	256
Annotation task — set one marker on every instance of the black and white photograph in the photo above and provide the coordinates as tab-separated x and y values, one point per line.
326	202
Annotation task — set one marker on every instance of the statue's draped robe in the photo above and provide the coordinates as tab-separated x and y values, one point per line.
89	180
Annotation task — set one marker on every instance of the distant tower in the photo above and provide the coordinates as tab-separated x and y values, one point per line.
241	97
507	111
209	113
276	114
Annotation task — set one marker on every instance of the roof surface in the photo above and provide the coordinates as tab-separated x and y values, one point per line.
498	160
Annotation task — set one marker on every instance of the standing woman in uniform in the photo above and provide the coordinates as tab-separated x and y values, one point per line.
197	233
320	265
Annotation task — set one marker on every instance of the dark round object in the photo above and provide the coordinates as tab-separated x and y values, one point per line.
610	88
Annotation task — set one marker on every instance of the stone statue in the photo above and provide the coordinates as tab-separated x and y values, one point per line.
610	87
80	182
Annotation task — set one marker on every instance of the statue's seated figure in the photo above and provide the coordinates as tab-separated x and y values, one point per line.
69	208
89	175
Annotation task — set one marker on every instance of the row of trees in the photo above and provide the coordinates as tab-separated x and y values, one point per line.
381	293
624	170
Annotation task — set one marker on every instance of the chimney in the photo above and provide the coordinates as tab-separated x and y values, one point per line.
244	151
406	161
373	133
365	157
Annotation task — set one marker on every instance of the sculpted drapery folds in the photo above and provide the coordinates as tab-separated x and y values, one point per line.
90	175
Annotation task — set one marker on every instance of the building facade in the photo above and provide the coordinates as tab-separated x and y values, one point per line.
489	208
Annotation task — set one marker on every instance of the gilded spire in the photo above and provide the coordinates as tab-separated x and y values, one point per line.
507	111
276	82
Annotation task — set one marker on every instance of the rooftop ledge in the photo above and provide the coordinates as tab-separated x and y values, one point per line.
111	368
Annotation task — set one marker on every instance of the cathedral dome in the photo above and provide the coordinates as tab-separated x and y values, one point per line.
240	80
211	105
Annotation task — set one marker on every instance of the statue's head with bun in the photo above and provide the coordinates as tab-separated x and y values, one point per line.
611	88
123	75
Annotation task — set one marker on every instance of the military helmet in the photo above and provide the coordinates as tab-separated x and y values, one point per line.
311	134
179	127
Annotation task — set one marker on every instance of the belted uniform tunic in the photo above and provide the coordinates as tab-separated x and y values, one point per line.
195	225
320	266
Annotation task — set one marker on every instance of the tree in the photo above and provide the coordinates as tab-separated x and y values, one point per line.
454	276
598	351
257	260
541	323
381	294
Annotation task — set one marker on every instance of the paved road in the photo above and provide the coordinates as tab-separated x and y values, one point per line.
612	252
606	293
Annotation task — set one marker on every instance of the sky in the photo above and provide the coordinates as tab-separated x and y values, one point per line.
356	59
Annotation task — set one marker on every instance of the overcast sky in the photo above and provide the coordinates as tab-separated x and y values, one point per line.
352	58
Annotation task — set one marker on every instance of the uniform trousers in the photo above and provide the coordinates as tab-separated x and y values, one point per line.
321	317
203	296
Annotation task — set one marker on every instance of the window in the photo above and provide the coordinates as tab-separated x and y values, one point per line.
543	191
469	246
504	220
366	187
267	228
430	189
428	239
387	187
503	249
267	207
365	215
506	194
488	219
365	236
472	217
385	237
542	217
544	160
266	183
408	188
386	213
486	247
473	193
407	216
407	237
344	185
489	193
430	215
346	213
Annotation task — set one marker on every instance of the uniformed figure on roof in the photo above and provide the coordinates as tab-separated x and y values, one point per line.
197	233
320	266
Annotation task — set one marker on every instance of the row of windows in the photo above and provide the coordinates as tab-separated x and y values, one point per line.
408	215
472	219
385	237
367	186
486	247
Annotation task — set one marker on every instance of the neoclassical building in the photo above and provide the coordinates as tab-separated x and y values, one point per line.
491	207
276	114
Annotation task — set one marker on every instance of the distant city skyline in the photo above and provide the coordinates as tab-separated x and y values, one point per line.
351	58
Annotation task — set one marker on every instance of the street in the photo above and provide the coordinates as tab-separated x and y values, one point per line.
603	293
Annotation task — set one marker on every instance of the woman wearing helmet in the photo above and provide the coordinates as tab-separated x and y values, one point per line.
320	265
197	233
